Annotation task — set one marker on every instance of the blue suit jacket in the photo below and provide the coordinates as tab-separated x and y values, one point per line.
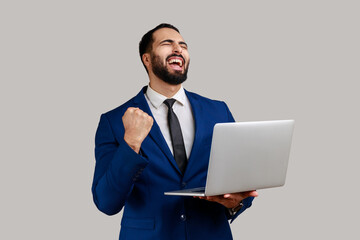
138	181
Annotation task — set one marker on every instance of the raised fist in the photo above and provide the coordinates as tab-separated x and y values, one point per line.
137	126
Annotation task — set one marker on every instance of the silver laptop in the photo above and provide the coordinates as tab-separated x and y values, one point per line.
246	156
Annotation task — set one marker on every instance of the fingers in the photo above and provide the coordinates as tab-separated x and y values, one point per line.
253	194
242	195
227	202
133	113
230	200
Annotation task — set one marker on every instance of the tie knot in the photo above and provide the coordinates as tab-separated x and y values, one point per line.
169	102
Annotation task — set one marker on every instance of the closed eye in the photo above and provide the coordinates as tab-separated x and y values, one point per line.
166	42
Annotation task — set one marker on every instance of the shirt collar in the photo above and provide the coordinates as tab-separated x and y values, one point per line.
156	99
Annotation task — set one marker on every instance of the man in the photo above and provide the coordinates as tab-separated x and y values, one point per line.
140	153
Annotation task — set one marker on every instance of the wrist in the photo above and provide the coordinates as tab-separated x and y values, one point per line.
235	209
134	145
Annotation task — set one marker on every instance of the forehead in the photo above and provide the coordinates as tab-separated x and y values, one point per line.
166	33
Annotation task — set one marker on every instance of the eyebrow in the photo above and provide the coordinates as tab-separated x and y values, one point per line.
171	41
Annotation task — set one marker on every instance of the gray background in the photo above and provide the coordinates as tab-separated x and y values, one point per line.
63	63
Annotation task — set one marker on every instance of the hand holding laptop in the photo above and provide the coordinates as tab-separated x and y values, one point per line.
230	200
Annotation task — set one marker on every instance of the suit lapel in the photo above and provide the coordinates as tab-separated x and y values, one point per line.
155	132
199	131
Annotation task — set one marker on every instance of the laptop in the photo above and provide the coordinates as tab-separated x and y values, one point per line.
246	156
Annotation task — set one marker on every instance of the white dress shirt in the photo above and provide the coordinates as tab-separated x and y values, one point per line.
183	111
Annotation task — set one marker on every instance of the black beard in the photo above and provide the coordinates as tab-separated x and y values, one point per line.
161	72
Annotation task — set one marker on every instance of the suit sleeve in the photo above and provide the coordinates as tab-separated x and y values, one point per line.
117	167
229	115
247	201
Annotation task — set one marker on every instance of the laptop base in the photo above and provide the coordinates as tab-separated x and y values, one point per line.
198	192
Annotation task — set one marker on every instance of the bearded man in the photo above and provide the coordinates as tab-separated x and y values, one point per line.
160	141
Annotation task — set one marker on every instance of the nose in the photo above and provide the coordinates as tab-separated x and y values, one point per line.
177	48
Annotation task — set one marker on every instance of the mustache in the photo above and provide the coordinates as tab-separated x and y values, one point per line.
175	55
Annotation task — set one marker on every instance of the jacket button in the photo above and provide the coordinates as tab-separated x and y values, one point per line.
183	217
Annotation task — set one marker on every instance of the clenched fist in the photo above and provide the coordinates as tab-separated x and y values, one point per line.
137	126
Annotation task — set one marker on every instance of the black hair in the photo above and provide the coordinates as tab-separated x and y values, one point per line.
147	40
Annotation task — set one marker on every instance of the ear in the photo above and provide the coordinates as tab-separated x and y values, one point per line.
146	59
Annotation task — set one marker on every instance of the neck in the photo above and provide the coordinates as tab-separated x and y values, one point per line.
162	87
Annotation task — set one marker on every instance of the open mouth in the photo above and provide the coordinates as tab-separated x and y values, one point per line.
176	62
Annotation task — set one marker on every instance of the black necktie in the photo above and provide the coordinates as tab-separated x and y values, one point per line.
176	136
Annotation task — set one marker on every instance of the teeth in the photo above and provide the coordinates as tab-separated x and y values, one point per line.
174	60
